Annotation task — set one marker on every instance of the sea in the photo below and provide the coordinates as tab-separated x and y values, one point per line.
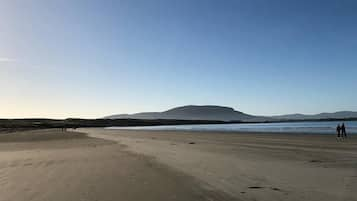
311	127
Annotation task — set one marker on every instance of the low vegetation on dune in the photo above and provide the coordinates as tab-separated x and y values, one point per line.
8	125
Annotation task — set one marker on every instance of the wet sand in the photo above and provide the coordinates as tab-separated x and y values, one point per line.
52	165
252	166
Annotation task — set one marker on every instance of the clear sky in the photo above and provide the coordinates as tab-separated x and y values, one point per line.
86	58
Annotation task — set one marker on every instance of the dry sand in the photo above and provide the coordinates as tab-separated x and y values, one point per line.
50	165
252	166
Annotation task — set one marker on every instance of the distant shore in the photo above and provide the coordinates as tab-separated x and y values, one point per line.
10	125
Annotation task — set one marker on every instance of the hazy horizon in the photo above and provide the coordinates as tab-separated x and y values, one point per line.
114	114
90	59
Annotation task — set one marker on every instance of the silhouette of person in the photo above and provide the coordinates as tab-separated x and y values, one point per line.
338	129
343	130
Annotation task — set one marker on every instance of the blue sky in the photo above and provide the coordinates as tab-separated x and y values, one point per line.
94	58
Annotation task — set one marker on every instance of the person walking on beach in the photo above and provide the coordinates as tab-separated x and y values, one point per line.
343	131
338	129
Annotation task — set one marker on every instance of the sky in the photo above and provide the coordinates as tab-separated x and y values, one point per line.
93	58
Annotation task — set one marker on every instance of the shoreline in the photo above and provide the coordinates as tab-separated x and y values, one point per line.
312	128
225	132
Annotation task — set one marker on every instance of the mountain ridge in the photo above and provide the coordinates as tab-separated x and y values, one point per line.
223	113
323	115
194	112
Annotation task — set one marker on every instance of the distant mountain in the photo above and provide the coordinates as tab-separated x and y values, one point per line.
334	115
194	112
220	113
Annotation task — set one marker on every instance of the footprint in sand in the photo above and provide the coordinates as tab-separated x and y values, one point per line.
261	187
255	187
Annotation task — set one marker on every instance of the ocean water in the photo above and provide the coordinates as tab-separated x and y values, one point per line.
318	127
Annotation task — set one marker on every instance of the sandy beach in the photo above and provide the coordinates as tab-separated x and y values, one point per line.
50	165
253	166
173	165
